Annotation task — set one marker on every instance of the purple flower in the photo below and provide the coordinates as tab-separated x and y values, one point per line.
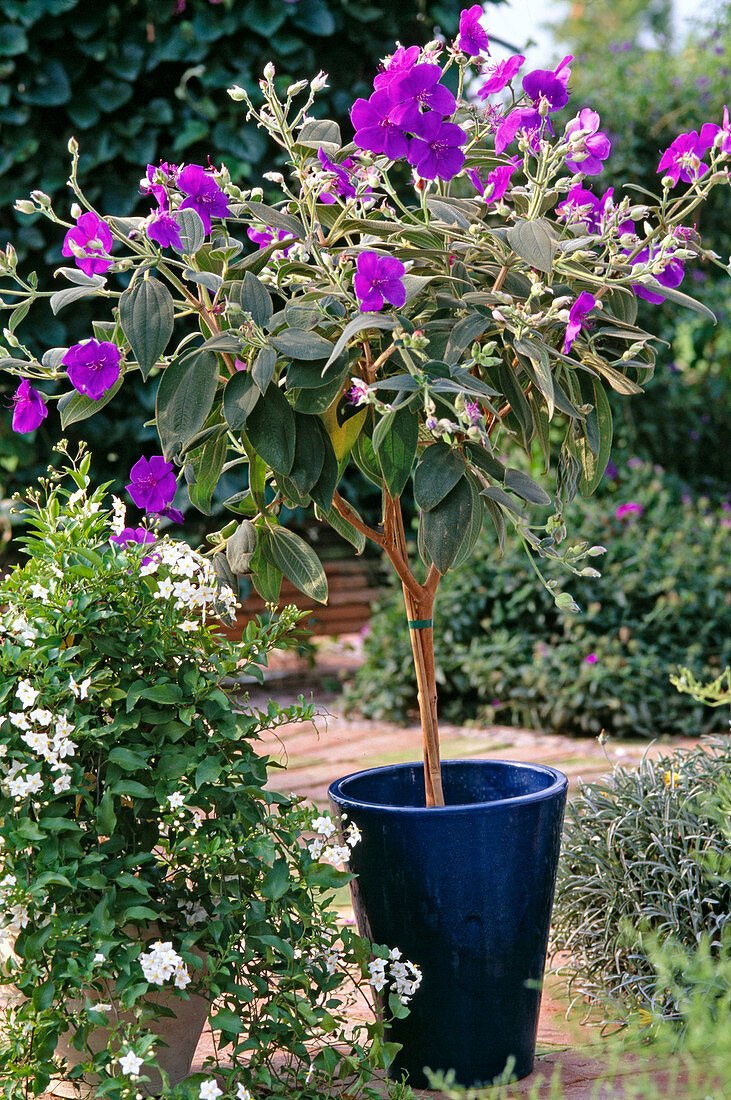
611	471
204	194
583	205
590	659
375	128
682	158
671	276
402	61
155	182
92	367
726	131
340	185
152	483
29	408
139	535
378	280
549	86
631	508
358	392
266	236
435	151
498	182
173	514
501	73
89	242
472	39
589	147
165	231
583	305
522	118
473	412
417	88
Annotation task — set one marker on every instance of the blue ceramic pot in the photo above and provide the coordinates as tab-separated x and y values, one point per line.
465	891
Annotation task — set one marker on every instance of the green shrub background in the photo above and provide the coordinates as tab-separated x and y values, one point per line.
504	653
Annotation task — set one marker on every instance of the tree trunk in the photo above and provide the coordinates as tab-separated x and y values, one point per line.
422	647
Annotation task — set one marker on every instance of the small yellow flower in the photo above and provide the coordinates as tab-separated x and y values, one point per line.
671	779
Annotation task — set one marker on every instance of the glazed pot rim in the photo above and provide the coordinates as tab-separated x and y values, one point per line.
557	786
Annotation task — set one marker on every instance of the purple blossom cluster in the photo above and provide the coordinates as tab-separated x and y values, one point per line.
201	192
406	118
683	159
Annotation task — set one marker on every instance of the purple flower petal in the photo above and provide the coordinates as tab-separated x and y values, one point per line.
29	408
152	483
378	279
93	367
91	239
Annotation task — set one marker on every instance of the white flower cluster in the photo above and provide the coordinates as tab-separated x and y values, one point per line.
45	734
404	975
334	853
14	916
193	912
161	963
22	633
192	583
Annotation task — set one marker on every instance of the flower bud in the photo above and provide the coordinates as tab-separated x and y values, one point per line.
667	182
41	198
238	94
75	211
73	146
24	206
293	89
269	71
319	82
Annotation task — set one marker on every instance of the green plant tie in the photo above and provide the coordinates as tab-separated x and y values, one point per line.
420	624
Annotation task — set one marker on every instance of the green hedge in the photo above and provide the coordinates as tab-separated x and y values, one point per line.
504	653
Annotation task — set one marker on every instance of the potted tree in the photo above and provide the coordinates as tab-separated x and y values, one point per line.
427	300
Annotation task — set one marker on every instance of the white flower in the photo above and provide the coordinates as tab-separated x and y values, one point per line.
63	727
151	566
38	742
17	718
41	715
164	589
188	625
185	593
176	800
242	1093
335	854
38	592
324	825
63	783
319	82
315	847
377	971
63	747
26	695
209	1090
353	836
130	1063
19	918
161	963
79	691
99	957
119	519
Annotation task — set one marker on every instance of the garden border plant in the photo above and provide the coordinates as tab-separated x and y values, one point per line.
141	853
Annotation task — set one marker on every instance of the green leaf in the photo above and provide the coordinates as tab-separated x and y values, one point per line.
535	242
366	459
77	406
475	526
239	398
60	300
445	527
192	231
265	576
525	487
618	381
484	460
321	133
311	376
594	465
297	343
297	561
495	493
463	335
262	369
276	219
324	488
677	296
253	296
439	469
276	881
308	453
361	323
225	1020
542	376
345	529
184	399
207	771
270	428
146	315
394	440
106	817
207	464
518	403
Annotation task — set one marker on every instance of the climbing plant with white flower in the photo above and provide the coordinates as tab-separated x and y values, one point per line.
142	860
